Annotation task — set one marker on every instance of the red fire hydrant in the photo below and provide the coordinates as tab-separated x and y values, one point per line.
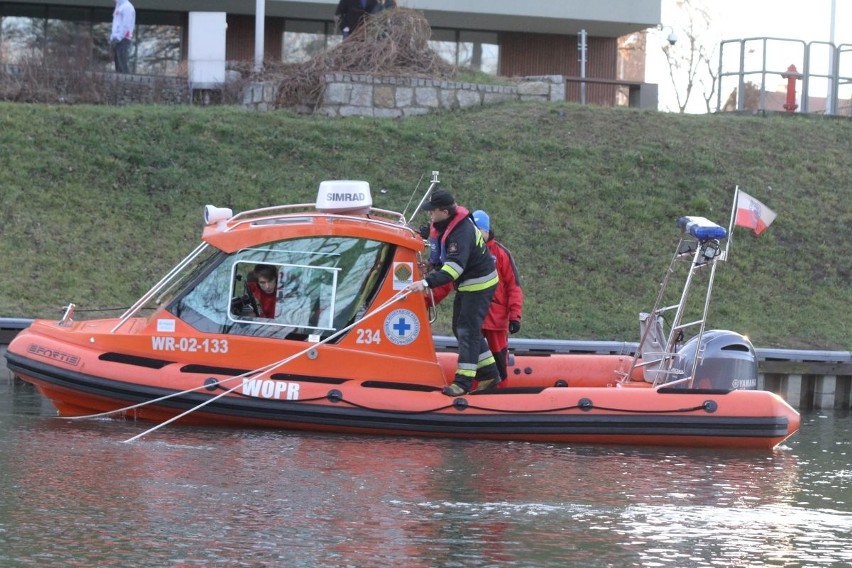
792	75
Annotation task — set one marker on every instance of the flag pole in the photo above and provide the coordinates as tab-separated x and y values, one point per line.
731	222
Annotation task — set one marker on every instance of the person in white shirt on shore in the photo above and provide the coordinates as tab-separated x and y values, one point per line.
123	23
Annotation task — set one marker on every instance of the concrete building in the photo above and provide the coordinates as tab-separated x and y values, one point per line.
505	37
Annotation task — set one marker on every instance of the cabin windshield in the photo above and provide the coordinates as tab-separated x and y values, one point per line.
303	289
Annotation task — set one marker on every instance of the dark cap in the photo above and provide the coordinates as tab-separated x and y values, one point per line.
440	199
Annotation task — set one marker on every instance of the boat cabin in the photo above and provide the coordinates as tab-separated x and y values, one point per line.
335	272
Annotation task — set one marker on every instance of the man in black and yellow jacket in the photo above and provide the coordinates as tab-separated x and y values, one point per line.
465	261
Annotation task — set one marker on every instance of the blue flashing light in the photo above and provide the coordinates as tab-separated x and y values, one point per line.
701	228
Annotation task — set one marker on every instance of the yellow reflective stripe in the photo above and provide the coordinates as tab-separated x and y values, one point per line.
479	286
454	265
481	279
485	362
466	373
451	271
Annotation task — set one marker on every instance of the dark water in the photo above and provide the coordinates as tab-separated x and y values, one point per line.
74	494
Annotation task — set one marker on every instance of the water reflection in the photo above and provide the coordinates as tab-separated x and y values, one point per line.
74	494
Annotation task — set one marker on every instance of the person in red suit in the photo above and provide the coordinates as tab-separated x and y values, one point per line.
504	315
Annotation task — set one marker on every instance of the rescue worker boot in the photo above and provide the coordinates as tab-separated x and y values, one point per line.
486	384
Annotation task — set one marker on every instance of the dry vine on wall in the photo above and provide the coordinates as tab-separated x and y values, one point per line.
392	43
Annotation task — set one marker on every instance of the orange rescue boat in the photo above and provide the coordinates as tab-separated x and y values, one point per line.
349	350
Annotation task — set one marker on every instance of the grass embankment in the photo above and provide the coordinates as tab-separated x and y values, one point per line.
99	202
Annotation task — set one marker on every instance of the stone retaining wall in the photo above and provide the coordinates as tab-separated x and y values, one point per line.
31	83
146	89
393	97
345	94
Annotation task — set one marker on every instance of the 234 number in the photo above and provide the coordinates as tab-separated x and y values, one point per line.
369	336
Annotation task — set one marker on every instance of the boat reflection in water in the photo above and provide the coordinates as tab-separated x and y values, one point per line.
348	348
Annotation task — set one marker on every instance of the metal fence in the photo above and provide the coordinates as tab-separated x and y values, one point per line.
752	69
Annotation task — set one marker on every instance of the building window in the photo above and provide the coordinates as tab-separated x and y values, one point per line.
303	40
22	36
70	40
78	38
445	44
477	51
157	48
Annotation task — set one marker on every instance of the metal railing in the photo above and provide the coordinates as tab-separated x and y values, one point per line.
823	74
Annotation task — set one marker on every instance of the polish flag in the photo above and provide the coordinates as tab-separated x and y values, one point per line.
752	213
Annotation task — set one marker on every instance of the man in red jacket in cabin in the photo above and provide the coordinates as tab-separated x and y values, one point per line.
504	315
264	288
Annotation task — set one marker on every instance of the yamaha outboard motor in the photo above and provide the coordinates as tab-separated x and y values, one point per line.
727	361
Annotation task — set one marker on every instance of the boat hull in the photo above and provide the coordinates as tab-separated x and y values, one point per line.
587	415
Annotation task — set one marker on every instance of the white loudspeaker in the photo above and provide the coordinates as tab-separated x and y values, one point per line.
215	214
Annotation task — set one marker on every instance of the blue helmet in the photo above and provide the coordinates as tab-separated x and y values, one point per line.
482	220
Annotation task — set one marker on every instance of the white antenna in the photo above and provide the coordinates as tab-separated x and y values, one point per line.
432	184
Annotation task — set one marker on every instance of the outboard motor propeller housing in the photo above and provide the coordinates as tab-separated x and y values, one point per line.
727	361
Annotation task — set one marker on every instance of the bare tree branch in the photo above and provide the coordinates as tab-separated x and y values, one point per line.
691	60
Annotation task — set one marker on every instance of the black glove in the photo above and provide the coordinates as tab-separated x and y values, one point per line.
424	231
514	326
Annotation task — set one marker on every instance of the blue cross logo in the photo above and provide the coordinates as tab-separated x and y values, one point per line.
401	326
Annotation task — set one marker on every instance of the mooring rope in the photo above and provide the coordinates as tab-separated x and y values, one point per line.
252	375
399	295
